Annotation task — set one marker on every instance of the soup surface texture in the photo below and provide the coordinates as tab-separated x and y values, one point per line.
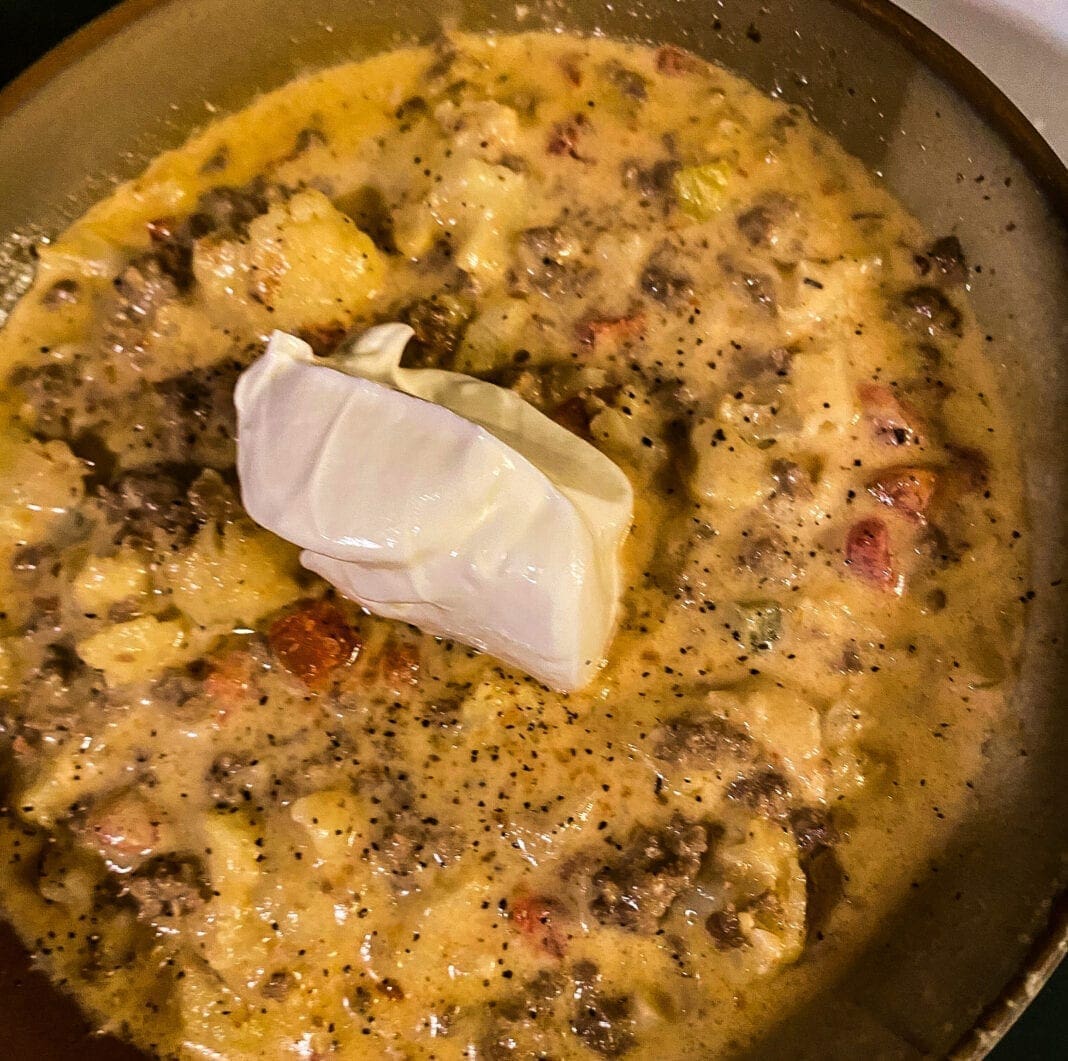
244	819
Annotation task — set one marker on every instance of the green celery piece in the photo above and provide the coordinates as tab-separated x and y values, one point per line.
700	189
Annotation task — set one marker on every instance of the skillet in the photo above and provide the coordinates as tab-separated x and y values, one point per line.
948	971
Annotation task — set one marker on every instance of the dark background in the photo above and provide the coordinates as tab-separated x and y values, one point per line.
28	28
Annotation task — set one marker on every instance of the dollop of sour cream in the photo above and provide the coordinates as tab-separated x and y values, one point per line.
437	499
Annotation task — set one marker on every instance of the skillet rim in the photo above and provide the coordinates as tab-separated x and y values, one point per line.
988	101
997	111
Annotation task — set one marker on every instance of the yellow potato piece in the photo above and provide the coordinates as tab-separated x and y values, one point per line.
304	264
233	577
481	206
106	580
334	821
137	649
730	472
39	483
8	666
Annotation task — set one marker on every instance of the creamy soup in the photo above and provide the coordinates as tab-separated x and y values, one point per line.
245	819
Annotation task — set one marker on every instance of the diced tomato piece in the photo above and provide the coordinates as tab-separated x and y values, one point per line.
892	421
314	641
536	917
674	61
907	491
867	552
229	680
595	331
399	663
565	136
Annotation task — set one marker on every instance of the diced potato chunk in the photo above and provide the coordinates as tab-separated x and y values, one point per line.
105	580
8	666
137	649
480	207
333	821
782	719
236	576
473	124
769	888
304	263
39	483
729	473
821	393
232	864
495	330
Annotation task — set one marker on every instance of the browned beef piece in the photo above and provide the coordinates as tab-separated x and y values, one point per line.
32	563
944	262
152	505
197	419
813	829
168	886
636	889
519	1020
664	278
439	323
141	290
546	263
791	480
405	845
629	82
173	248
164	505
566	136
234	777
764	791
769	558
406	841
756	225
925	309
759	288
725	928
654	184
701	737
227	211
55	392
761	366
212	499
761	223
224	212
603	1023
277	985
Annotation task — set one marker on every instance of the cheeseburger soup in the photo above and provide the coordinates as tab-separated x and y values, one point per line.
245	818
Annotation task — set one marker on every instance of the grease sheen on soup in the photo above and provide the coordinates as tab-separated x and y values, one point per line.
244	819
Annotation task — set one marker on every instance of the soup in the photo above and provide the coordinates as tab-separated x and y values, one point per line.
245	818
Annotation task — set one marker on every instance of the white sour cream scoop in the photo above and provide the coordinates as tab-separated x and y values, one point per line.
437	499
